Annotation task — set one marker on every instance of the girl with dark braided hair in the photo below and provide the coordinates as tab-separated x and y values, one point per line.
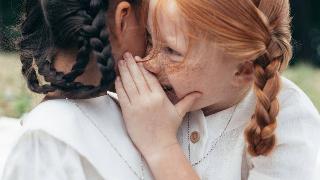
77	132
67	43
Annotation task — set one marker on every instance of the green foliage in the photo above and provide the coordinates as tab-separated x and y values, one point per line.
16	105
10	14
308	79
22	104
15	98
10	10
8	41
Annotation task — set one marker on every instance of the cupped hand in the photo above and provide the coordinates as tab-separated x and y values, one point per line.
152	121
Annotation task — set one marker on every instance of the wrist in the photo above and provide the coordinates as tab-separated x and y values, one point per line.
158	154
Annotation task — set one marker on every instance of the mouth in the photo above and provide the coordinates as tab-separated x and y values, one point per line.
167	88
170	92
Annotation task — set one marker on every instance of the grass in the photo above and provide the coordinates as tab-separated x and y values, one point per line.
308	79
16	99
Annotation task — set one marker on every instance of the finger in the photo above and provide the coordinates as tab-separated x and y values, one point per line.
136	74
127	81
152	81
122	95
184	106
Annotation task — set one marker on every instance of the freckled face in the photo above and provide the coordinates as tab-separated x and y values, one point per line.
182	70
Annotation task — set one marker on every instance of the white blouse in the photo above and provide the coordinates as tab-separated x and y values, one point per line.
67	139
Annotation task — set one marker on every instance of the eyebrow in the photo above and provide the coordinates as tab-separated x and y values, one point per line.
171	40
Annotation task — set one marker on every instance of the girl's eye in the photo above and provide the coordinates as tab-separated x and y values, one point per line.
149	40
170	51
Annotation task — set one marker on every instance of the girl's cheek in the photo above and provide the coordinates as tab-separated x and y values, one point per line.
173	67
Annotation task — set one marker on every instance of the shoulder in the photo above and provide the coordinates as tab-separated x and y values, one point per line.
35	153
296	108
298	116
71	120
291	96
38	155
37	141
297	134
66	112
52	109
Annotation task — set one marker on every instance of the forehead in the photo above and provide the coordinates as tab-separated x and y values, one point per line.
171	24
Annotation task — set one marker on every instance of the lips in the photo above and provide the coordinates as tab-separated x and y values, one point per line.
170	93
167	88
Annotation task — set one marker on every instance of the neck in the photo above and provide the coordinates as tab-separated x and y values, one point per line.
64	61
226	104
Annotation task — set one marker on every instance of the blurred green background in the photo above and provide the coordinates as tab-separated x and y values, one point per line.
15	98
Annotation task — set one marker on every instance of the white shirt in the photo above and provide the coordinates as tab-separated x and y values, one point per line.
69	140
61	143
295	155
9	132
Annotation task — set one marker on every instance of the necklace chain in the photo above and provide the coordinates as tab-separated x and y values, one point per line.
141	177
214	144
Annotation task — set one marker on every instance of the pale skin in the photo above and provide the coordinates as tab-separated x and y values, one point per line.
212	82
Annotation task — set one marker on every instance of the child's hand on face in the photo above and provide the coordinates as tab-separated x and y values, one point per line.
152	121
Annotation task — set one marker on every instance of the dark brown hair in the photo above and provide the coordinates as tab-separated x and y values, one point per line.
50	25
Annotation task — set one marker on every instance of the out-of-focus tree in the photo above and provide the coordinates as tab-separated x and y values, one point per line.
306	30
1	26
10	13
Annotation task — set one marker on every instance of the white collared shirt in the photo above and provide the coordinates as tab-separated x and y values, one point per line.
295	155
61	143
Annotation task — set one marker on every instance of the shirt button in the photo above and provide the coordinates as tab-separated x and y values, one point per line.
194	137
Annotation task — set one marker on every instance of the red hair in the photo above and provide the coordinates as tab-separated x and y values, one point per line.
256	30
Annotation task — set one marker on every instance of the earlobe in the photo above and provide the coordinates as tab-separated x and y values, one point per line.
122	14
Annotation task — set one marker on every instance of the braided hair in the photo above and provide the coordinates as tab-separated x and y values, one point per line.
260	133
250	30
50	25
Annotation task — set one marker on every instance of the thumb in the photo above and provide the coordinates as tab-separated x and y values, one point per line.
184	105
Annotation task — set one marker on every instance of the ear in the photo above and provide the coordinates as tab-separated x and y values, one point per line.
122	14
244	74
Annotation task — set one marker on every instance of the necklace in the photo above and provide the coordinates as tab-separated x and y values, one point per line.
141	177
214	143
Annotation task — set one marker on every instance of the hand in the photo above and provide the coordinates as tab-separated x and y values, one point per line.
152	121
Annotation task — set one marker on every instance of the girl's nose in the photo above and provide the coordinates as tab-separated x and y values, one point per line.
152	64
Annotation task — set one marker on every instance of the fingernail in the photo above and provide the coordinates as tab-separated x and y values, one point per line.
121	63
127	55
137	58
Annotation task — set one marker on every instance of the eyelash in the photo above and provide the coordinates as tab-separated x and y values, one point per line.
149	40
167	50
171	51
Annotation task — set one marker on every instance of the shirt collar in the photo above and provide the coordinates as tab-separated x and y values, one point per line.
240	115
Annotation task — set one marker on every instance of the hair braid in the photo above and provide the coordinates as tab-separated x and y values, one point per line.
260	133
83	26
27	46
30	73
